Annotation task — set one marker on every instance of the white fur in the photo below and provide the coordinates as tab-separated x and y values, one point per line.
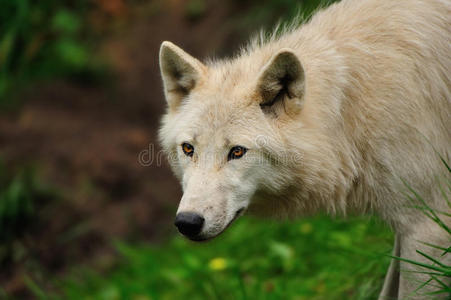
372	107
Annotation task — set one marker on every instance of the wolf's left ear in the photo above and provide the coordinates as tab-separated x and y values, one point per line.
282	77
180	71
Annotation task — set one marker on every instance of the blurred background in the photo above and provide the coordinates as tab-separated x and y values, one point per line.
80	217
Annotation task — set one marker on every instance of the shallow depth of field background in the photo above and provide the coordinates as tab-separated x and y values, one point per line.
80	217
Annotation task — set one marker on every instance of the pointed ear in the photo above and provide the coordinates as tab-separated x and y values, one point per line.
282	78
180	72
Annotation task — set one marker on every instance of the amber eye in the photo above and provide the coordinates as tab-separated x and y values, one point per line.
236	152
188	149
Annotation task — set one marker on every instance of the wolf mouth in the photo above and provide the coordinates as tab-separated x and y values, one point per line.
200	238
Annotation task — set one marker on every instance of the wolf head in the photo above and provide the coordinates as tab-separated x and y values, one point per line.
225	133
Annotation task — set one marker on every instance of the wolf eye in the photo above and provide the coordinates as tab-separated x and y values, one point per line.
236	152
188	149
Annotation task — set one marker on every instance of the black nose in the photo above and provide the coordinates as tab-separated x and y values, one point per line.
189	223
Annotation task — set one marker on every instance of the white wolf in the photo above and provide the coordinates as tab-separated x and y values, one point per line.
327	116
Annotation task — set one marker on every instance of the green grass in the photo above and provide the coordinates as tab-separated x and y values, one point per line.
21	196
315	258
43	40
18	191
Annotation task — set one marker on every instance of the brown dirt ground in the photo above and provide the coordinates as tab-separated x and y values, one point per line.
85	141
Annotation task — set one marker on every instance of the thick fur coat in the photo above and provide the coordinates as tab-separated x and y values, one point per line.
334	115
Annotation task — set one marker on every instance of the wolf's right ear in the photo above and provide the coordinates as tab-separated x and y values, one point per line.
180	72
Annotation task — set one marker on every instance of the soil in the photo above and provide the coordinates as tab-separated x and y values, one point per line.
85	141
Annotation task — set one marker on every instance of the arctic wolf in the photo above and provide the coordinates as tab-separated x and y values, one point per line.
330	116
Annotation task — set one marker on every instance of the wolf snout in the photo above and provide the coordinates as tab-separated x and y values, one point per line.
189	223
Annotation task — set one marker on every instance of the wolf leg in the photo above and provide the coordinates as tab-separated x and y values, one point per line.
391	282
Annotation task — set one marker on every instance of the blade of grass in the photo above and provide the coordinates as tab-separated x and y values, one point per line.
431	259
443	192
423	285
439	292
433	246
431	267
425	272
434	216
440	282
37	291
445	163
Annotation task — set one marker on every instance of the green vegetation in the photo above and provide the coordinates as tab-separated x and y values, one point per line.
437	270
17	192
316	258
20	193
41	40
16	206
269	12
